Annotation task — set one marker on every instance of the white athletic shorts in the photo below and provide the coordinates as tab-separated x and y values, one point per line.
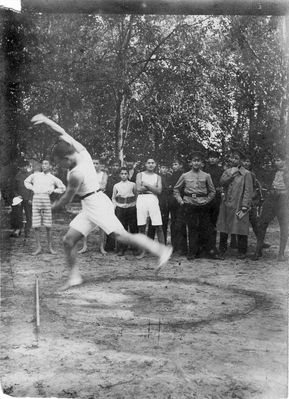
147	205
97	210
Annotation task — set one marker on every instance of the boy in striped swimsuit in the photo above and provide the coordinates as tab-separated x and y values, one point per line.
97	208
43	184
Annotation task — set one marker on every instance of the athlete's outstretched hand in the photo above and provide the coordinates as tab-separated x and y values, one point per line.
39	118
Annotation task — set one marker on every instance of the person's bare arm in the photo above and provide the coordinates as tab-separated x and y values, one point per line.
40	118
114	194
103	183
73	185
139	186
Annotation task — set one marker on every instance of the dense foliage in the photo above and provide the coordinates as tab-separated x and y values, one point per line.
139	85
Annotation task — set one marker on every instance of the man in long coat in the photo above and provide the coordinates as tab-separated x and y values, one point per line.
233	218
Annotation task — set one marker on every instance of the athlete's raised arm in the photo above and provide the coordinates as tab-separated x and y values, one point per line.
40	118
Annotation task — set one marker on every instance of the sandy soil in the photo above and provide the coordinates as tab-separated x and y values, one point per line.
201	329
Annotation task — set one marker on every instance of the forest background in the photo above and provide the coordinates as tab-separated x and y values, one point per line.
132	85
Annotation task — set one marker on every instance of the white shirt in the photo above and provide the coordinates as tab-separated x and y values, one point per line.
44	183
124	189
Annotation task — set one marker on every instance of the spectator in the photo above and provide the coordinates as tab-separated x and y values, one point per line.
199	191
178	228
132	172
149	186
43	184
276	204
163	203
233	218
124	200
212	167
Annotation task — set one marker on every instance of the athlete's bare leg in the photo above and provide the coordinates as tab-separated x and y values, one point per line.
49	240
84	247
102	239
142	230
69	241
37	236
160	234
142	241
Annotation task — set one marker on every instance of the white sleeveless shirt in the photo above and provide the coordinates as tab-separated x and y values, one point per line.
90	180
149	178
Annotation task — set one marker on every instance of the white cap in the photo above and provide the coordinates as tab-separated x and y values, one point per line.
17	201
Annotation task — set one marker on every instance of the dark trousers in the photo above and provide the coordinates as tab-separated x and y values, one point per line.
275	205
253	219
163	203
178	227
17	216
214	213
200	228
127	217
241	242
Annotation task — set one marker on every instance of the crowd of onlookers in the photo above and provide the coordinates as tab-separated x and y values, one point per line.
195	205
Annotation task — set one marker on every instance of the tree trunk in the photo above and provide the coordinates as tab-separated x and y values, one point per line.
284	108
120	126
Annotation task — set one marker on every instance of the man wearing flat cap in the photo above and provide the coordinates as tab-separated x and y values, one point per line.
233	218
199	191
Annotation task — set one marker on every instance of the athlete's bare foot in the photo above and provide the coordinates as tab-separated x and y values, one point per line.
72	281
102	251
37	252
82	250
141	255
51	250
163	258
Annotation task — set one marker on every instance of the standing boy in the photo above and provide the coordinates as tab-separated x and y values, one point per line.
178	228
112	179
163	203
43	184
275	204
257	199
149	186
199	191
132	172
124	200
212	167
97	209
233	218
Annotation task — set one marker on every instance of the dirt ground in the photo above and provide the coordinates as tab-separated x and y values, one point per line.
201	329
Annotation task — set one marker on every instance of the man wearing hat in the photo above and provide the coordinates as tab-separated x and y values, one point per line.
233	218
199	191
